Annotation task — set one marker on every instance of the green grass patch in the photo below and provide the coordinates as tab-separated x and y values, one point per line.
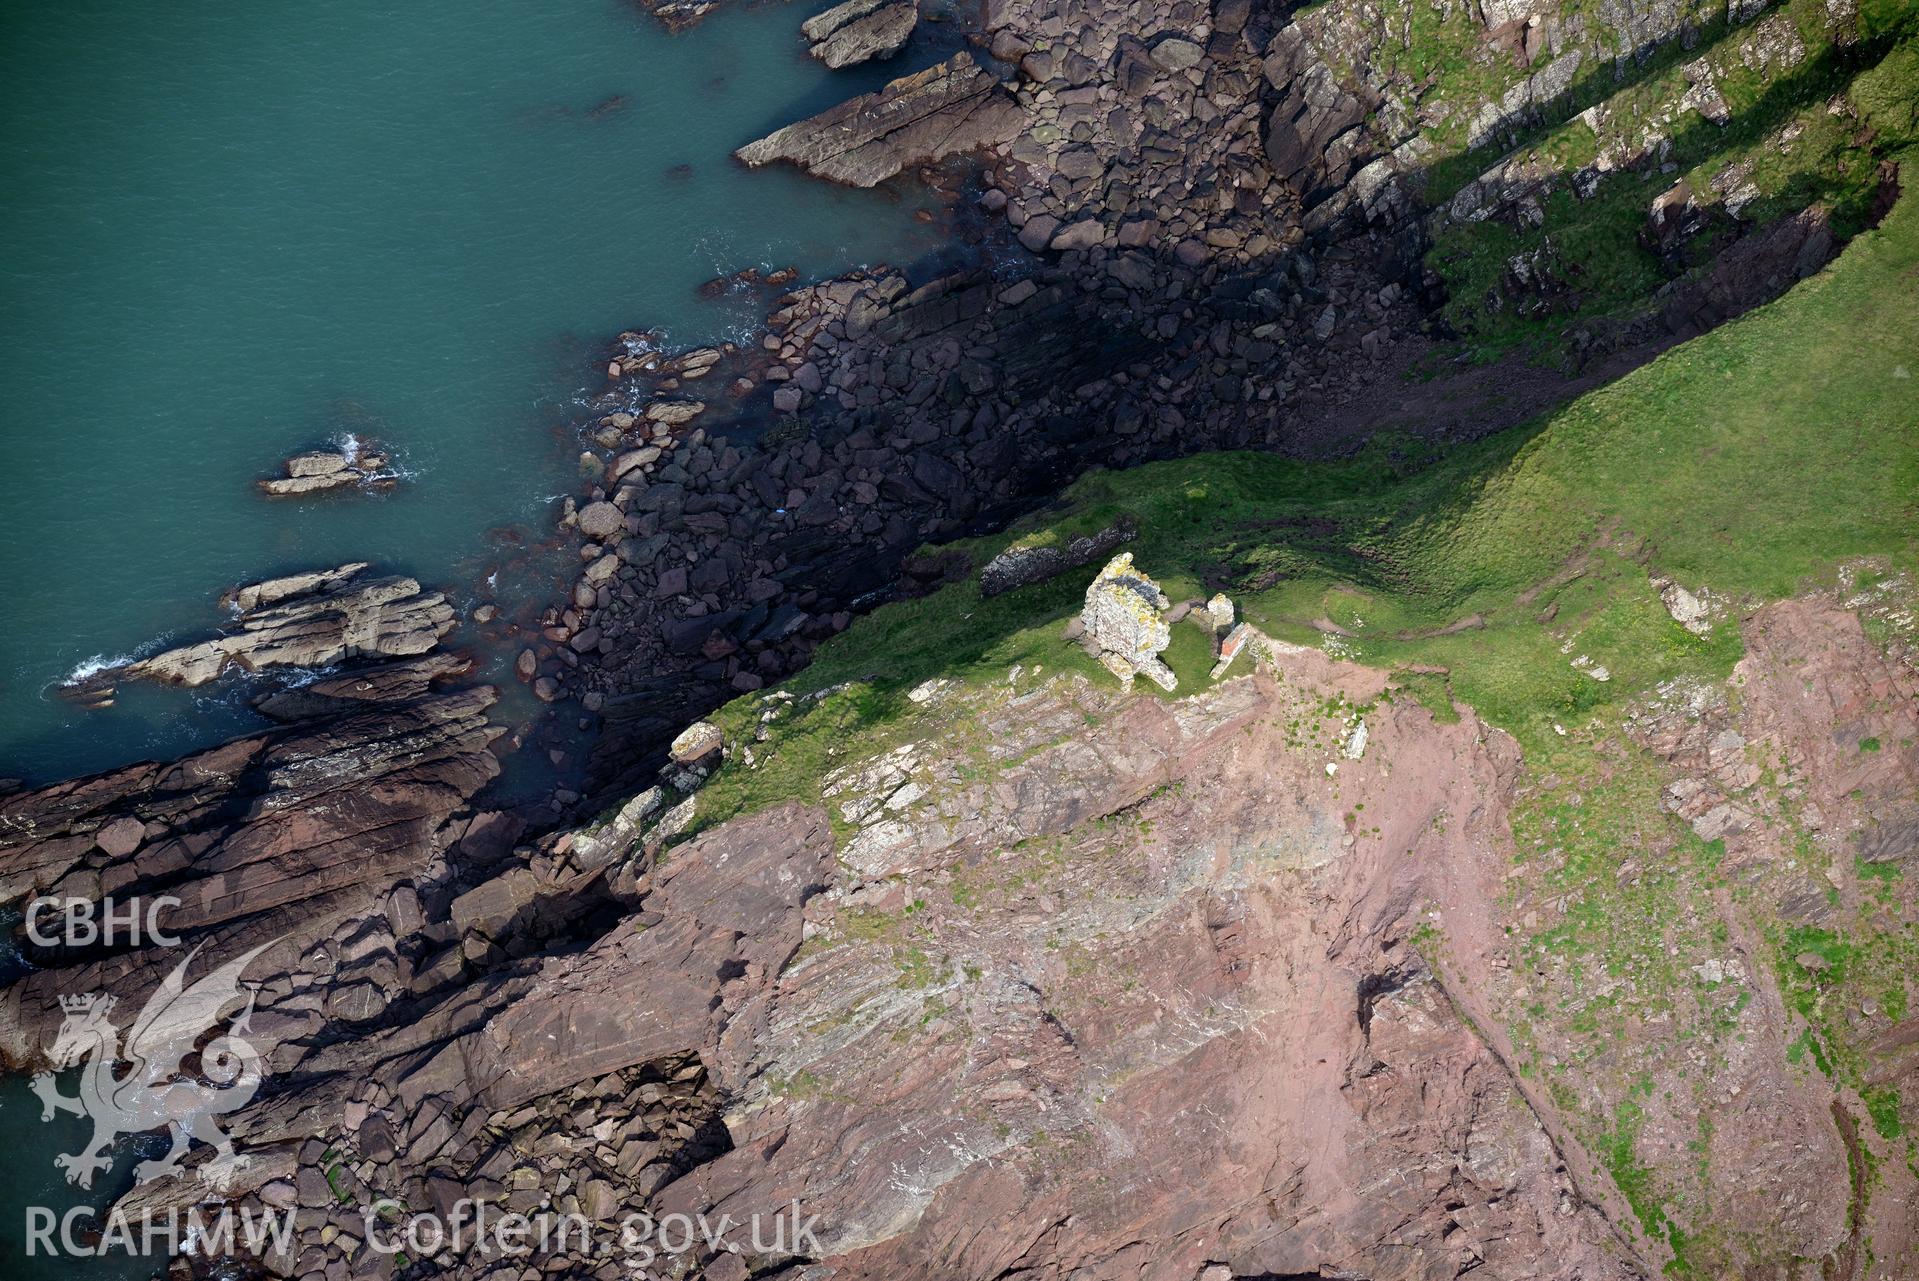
1749	461
1882	1106
1783	146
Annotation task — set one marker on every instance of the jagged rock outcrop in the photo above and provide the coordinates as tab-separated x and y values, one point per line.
1753	269
303	620
956	1006
1314	139
945	110
324	470
1180	293
860	30
1017	1051
341	815
1021	566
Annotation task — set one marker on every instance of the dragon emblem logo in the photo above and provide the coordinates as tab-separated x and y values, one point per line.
171	1080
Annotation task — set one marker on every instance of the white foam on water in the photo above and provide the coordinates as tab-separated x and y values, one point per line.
395	470
87	668
293	677
349	445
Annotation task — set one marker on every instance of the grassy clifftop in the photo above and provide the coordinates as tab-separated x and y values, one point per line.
1733	115
1776	455
1749	462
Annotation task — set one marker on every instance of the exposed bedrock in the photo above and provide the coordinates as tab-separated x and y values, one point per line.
322	471
860	30
1146	997
313	619
346	814
1002	1107
1214	236
959	1012
945	110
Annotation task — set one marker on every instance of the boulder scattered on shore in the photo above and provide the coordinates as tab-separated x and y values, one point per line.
303	620
945	110
319	471
860	30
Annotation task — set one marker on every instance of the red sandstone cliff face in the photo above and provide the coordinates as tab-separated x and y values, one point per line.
1157	1010
1065	982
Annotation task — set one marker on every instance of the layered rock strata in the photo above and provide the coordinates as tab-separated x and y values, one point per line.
320	837
1202	248
1123	624
303	620
447	1089
860	30
946	110
325	470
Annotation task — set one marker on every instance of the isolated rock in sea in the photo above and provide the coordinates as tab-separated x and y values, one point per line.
679	15
859	30
322	470
945	110
306	620
271	591
1122	622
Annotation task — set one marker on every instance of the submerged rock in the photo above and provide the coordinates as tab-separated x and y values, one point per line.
679	15
945	110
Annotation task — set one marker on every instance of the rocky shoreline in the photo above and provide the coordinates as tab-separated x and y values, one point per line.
1197	240
452	1007
311	621
1190	243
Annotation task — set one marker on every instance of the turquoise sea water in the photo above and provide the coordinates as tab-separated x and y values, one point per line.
235	231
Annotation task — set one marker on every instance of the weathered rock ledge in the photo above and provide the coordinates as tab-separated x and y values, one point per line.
314	619
348	812
323	471
860	30
972	980
593	1029
945	110
1209	236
